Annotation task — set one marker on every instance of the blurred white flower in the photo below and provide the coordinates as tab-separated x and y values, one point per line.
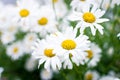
110	51
58	6
7	37
45	75
92	75
78	4
89	18
108	77
31	63
94	54
15	50
25	11
1	70
44	22
28	41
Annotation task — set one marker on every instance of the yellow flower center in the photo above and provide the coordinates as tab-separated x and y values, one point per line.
90	53
15	50
24	13
49	53
89	17
31	38
68	44
54	1
89	76
43	21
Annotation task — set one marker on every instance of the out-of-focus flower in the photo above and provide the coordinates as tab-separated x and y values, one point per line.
25	11
58	6
29	41
1	70
107	77
78	4
89	18
92	75
15	51
94	55
45	75
7	37
110	51
31	63
44	23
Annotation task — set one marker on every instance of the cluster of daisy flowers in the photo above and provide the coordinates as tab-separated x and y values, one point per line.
48	34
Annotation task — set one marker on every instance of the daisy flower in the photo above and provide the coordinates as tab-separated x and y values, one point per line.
108	77
68	45
105	4
58	6
29	41
7	37
25	11
15	51
89	18
91	75
78	4
30	64
44	52
44	23
45	75
94	55
1	70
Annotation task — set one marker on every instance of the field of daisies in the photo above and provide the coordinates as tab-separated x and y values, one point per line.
60	40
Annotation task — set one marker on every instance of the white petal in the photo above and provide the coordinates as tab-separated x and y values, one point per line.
41	61
93	30
75	16
86	8
47	65
101	20
82	29
99	27
53	64
99	13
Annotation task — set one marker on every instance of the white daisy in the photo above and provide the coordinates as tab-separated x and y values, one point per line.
7	37
26	10
105	4
108	77
44	23
1	70
44	52
58	6
45	75
30	64
15	51
91	75
68	45
89	18
78	4
29	41
94	55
